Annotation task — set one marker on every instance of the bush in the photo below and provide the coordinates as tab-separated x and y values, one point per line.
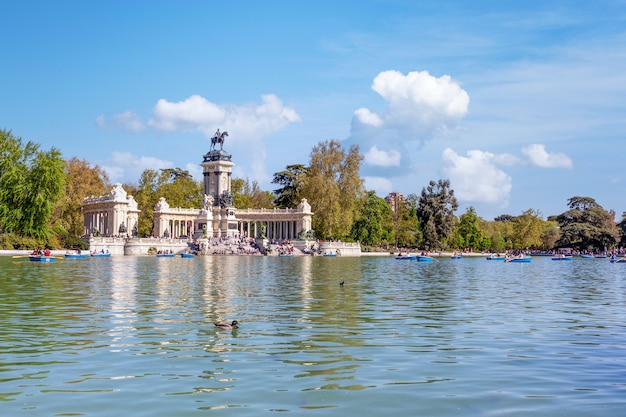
10	241
71	242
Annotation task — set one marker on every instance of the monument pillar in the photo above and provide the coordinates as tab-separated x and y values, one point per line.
217	169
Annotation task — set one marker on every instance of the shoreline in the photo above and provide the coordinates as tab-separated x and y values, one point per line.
62	252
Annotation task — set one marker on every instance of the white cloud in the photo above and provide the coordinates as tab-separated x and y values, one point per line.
476	178
431	99
538	156
248	122
368	117
122	121
382	186
126	167
419	104
382	158
190	114
505	159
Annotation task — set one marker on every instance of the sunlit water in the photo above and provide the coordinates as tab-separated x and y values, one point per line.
134	336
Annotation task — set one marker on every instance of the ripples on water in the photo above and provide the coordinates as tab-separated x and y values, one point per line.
135	336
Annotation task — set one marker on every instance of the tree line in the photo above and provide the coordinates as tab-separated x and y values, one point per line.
42	193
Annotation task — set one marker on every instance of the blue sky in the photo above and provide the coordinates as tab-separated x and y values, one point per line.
522	105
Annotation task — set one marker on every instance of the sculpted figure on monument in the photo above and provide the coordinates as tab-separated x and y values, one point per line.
207	202
226	199
218	138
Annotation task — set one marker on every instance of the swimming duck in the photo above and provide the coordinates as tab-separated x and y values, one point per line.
227	326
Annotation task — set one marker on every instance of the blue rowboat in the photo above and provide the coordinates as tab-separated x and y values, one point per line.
165	255
587	256
422	258
562	258
518	260
76	256
41	258
187	255
406	257
100	255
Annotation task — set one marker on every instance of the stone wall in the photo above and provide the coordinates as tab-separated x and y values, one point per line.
136	246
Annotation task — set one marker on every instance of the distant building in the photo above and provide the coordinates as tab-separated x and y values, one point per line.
394	200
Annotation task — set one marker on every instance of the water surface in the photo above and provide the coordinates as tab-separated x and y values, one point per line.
135	336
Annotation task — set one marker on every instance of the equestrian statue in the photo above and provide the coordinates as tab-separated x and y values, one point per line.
218	138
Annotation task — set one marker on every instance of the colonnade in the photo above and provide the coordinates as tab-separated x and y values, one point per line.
274	229
177	227
97	222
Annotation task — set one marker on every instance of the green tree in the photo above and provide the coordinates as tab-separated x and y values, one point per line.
622	229
333	188
372	225
176	185
470	232
83	181
550	234
32	183
147	198
435	212
292	180
527	230
405	226
248	194
500	234
587	226
179	188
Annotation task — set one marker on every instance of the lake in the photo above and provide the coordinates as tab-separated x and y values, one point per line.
134	336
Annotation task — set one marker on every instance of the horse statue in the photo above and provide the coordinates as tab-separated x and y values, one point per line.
218	138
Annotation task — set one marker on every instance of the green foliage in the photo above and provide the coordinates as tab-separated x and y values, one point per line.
527	229
179	188
550	234
292	180
11	241
147	198
587	226
82	181
622	229
249	195
174	184
499	234
334	189
32	183
374	220
72	242
435	212
469	232
406	230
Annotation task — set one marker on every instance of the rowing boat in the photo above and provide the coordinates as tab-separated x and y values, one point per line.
76	256
41	258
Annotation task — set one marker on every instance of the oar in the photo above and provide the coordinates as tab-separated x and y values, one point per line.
20	256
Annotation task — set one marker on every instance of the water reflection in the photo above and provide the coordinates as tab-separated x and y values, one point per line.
123	281
466	337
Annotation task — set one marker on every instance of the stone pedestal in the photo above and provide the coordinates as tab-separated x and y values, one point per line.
203	245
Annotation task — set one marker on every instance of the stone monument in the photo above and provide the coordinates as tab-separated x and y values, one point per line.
217	215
